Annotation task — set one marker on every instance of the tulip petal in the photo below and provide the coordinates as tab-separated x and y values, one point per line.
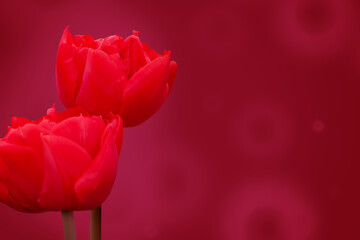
96	182
66	71
31	133
19	122
7	199
23	174
80	59
111	45
56	117
152	54
143	94
135	51
52	191
70	160
102	85
172	74
85	131
117	125
15	137
84	41
27	136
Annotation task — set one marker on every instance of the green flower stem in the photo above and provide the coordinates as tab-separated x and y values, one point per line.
95	225
68	225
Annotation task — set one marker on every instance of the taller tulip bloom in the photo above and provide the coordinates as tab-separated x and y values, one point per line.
112	74
62	162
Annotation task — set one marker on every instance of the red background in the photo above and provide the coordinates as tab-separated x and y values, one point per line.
257	141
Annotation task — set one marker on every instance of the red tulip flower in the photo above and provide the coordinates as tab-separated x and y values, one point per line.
112	74
64	161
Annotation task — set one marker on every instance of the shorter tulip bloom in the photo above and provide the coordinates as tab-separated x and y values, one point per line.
63	161
112	74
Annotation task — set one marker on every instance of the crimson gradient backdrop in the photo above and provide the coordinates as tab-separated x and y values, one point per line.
259	139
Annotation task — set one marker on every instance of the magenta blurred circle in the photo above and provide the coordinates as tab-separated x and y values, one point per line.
269	210
218	31
263	130
318	126
177	183
314	28
160	188
213	103
151	230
